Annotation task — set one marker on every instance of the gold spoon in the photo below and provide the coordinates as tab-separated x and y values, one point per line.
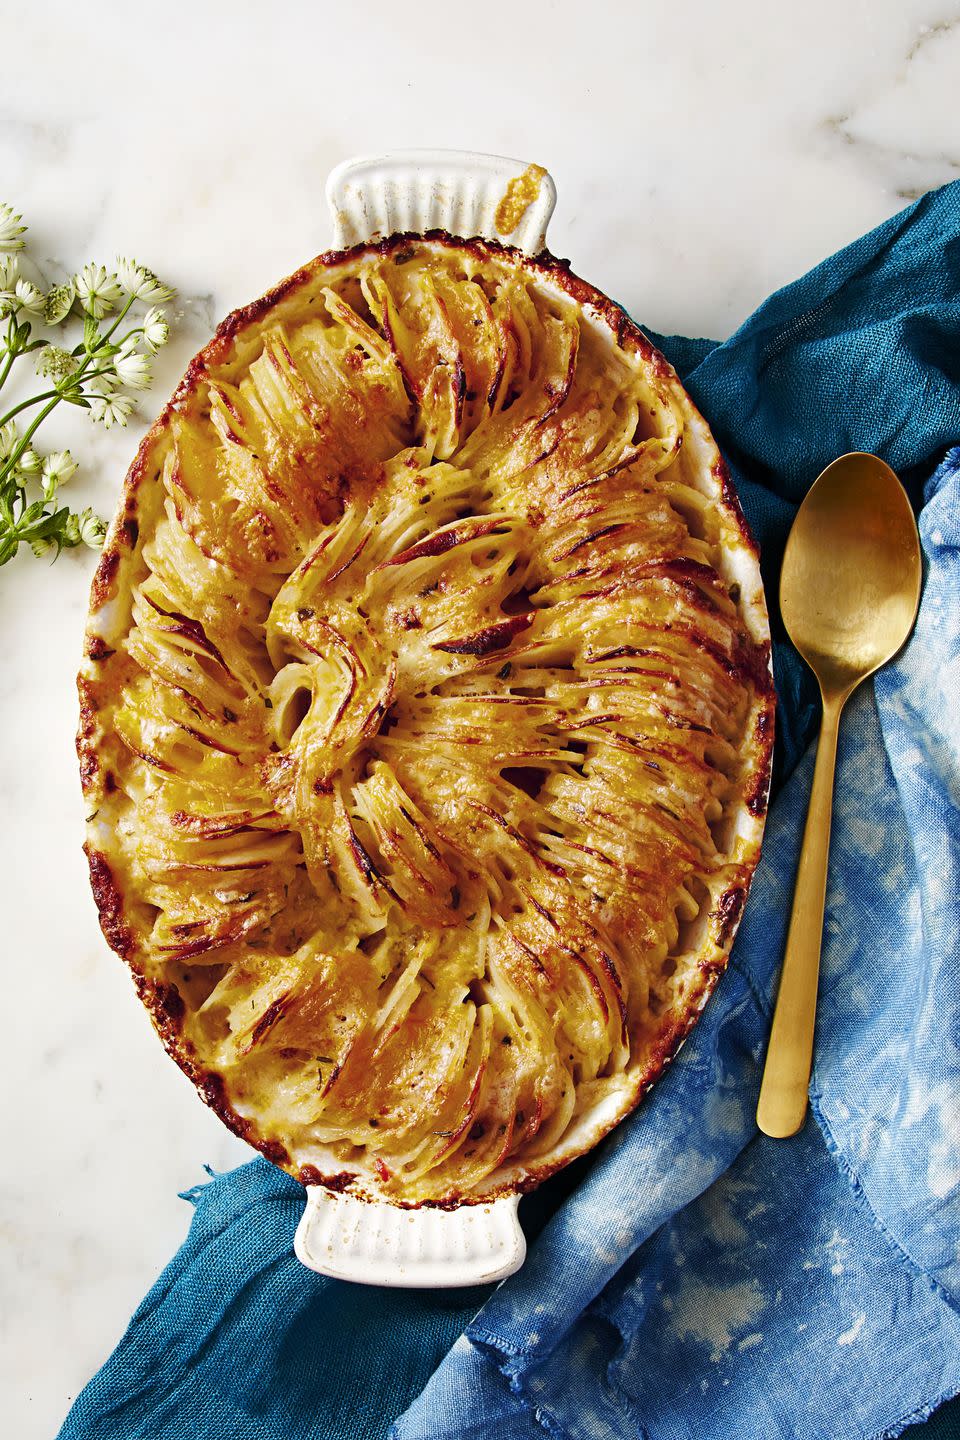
849	592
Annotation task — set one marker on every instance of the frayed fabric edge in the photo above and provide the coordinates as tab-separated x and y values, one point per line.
542	1414
537	1412
917	1416
862	1199
924	1409
195	1193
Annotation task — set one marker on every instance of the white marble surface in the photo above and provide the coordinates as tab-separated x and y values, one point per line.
704	155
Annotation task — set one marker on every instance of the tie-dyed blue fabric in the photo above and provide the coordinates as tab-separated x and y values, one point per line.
698	1280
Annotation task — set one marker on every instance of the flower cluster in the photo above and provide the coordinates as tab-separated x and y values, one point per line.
97	374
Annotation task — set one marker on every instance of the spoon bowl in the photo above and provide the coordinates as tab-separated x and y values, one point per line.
849	591
850	582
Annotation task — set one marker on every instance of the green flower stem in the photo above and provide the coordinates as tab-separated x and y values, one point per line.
13	350
5	370
25	404
10	464
120	316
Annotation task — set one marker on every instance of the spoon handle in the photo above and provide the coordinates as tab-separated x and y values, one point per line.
786	1076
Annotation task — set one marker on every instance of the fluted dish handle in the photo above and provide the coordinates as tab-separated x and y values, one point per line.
459	191
373	1243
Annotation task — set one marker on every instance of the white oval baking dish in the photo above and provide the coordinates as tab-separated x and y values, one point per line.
352	1228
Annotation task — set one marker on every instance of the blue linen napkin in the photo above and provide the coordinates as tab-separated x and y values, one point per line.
693	1278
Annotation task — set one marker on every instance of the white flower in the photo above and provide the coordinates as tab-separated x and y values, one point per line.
9	275
29	298
56	363
140	282
56	307
131	367
92	530
109	409
9	435
29	462
97	291
57	469
42	547
102	387
10	229
156	331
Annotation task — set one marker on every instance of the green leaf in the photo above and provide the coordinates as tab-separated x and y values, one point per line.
91	334
52	523
33	512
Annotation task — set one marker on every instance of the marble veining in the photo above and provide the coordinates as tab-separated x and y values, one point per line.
703	157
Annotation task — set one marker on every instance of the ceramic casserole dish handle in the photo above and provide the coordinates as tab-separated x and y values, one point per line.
454	190
373	1242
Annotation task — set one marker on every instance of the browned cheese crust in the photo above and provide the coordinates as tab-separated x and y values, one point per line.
426	720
